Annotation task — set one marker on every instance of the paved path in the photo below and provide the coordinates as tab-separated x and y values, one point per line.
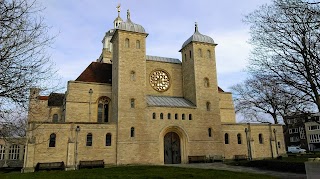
221	166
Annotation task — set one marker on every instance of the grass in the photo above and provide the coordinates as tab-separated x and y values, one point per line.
155	172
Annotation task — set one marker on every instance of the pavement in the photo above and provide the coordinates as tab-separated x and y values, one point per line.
222	166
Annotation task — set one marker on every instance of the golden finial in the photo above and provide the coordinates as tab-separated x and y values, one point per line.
118	7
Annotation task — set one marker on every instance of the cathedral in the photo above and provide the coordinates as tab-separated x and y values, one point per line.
132	108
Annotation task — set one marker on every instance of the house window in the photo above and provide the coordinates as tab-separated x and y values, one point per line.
108	139
89	140
183	116
176	116
132	103
209	132
279	146
55	118
239	138
190	116
208	106
226	138
190	54
260	139
14	152
290	131
169	115
133	75
161	115
200	52
154	115
52	140
103	109
206	82
132	132
127	43
2	152
138	44
208	53
185	57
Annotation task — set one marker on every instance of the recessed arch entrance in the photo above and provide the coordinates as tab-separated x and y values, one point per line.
173	145
172	149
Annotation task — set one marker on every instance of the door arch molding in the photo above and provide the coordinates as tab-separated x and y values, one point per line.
183	142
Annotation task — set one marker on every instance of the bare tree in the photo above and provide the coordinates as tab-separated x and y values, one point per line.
260	95
24	61
286	40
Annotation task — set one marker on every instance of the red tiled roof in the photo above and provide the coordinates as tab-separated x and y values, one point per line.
220	90
43	97
97	72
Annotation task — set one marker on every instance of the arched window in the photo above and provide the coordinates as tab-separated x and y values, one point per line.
138	44
190	116
190	54
209	132
127	43
108	139
183	116
132	103
52	140
55	118
133	76
226	138
154	115
176	116
132	132
161	115
260	139
103	109
208	54
2	152
14	152
89	140
239	138
169	115
208	106
206	82
200	52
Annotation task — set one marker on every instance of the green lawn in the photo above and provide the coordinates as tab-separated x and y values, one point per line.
135	172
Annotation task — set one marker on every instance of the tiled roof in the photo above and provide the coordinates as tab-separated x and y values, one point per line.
163	59
43	97
167	101
97	72
55	99
220	90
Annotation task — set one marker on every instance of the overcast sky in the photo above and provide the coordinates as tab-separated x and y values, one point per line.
80	26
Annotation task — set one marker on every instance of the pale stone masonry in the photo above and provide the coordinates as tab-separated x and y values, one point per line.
130	108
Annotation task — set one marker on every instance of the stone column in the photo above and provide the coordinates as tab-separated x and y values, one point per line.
28	165
70	156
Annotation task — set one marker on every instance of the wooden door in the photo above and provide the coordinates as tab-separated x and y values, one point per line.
172	152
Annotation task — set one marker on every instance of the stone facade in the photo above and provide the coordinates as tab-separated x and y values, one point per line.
111	112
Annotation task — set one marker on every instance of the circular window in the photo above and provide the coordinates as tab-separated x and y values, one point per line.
159	80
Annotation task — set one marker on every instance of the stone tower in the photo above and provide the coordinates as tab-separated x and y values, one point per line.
128	82
200	78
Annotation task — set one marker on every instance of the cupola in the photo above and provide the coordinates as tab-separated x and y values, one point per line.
130	26
198	37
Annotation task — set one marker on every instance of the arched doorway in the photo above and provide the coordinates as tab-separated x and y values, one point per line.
172	151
